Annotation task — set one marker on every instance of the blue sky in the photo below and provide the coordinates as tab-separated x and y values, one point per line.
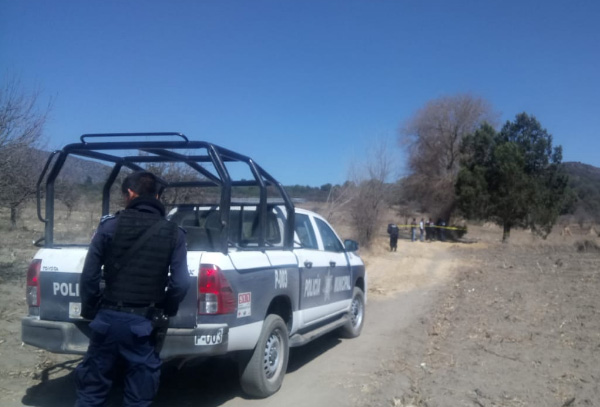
303	87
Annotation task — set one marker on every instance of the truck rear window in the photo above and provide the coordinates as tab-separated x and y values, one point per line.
203	227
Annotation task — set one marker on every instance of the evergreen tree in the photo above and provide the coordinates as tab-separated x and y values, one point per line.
513	177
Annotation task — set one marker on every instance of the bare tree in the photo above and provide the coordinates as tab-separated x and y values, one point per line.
432	139
369	190
21	124
178	172
69	194
18	180
338	197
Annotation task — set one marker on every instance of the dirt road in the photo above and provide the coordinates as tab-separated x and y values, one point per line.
447	324
328	371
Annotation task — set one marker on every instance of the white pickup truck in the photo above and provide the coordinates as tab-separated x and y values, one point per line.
266	276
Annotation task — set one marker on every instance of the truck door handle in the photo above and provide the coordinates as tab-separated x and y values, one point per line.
308	264
332	264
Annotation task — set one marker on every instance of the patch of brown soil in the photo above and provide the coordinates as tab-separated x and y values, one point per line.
517	326
415	265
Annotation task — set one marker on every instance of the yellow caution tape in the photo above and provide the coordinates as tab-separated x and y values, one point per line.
432	226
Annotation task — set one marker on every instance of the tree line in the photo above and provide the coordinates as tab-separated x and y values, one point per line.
461	165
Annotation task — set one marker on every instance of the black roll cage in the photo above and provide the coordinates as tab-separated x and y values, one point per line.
177	150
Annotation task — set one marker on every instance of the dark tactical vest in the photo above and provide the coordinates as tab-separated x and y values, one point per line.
141	278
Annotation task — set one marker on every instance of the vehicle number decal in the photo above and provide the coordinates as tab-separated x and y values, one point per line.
210	339
244	305
281	279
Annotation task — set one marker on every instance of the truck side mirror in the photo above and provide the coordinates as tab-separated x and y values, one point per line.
351	245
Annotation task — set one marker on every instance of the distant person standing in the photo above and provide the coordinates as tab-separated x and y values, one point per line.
431	229
413	230
421	229
393	231
443	230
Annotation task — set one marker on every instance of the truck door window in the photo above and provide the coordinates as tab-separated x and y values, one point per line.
305	232
330	241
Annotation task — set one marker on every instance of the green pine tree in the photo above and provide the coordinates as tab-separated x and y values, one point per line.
513	177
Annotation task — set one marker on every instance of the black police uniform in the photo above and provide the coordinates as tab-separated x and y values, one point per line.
393	232
136	276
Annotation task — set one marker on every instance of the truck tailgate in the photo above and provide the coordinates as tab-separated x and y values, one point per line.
59	287
59	283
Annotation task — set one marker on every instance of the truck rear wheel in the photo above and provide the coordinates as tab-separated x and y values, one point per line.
354	326
263	374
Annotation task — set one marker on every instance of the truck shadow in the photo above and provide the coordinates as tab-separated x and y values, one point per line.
211	382
305	354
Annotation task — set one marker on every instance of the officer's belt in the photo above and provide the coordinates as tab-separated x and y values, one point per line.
143	310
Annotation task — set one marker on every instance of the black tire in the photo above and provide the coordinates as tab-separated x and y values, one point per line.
263	373
354	326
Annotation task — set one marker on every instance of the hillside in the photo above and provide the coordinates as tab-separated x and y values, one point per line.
76	170
584	179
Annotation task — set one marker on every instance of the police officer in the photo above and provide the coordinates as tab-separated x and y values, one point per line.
137	248
393	232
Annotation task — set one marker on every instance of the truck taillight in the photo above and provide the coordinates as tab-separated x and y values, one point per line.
33	283
215	295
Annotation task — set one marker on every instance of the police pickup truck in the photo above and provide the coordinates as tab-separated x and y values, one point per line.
266	275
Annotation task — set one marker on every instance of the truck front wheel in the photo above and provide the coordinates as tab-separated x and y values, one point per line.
263	374
354	326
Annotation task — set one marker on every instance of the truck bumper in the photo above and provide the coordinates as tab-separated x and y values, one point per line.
73	338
